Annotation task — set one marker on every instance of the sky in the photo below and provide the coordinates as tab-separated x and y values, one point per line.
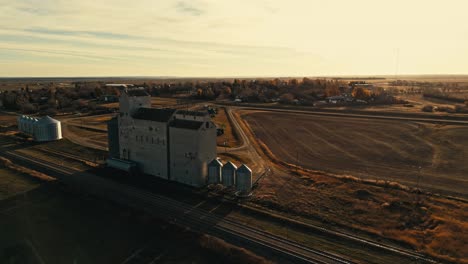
218	38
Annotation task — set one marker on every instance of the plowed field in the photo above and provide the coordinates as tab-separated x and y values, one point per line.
391	150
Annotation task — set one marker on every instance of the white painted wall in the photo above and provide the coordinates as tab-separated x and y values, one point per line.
190	152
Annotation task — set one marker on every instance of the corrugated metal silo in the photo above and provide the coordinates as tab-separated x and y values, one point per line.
214	171
47	129
19	120
29	125
244	179
229	174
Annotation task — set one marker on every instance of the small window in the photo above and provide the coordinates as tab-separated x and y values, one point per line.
150	129
207	125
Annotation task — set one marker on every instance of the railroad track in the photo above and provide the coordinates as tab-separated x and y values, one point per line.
184	214
201	218
119	187
65	154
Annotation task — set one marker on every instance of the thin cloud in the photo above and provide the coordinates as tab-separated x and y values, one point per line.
34	11
57	52
97	34
184	7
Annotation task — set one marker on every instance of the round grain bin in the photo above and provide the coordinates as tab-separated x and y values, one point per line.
214	171
47	129
20	121
244	179
229	174
29	125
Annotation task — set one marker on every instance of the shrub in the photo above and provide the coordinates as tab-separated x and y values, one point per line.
428	108
445	109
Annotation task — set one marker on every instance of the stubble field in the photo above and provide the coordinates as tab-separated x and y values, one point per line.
367	148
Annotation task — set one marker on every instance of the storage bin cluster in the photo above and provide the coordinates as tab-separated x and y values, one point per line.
230	176
43	129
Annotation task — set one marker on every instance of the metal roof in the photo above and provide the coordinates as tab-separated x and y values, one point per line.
186	124
154	114
244	168
229	165
215	163
47	120
119	85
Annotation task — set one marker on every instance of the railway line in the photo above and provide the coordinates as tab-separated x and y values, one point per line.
67	155
182	213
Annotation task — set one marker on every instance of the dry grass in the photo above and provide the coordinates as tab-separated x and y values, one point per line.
7	120
98	122
237	158
232	253
13	183
10	165
434	225
230	136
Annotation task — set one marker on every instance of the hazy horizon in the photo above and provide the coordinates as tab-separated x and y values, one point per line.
224	39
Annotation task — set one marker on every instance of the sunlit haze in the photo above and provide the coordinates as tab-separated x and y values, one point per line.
232	38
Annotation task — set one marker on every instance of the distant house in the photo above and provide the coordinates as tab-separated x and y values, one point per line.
367	86
336	99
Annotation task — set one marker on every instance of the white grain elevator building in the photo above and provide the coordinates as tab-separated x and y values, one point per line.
166	143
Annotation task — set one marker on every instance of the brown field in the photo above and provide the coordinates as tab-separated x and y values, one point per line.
95	137
155	102
98	122
7	120
378	209
366	148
